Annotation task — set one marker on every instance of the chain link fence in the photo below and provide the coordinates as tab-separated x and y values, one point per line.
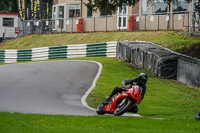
185	21
195	23
37	26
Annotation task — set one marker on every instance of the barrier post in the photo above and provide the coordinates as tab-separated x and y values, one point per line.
72	25
188	22
106	22
172	21
145	22
94	24
158	22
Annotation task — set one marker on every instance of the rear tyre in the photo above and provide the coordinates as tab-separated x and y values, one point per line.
99	109
134	109
123	107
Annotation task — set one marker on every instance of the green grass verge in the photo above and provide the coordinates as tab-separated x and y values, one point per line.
175	102
170	39
32	123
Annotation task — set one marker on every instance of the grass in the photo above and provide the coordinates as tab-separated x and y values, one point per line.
91	124
170	39
175	102
164	98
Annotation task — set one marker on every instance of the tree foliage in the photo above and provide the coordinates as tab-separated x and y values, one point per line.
8	5
108	6
11	6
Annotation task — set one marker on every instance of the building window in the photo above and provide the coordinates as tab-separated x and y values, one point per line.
144	7
180	7
74	10
9	22
159	7
103	13
54	12
61	12
89	13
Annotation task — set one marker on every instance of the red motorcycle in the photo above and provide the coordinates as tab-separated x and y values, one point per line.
122	102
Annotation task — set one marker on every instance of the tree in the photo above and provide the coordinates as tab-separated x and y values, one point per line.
108	6
5	5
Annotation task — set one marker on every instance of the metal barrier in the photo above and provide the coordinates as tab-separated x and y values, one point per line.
107	49
141	22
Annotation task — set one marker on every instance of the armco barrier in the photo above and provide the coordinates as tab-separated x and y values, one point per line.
2	56
107	49
163	62
24	55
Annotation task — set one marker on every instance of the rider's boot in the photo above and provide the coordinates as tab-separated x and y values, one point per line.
106	101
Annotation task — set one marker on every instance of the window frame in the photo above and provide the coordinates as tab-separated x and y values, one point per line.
105	15
8	21
180	2
91	13
159	2
147	7
74	16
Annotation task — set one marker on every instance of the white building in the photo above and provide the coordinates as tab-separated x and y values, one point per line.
9	25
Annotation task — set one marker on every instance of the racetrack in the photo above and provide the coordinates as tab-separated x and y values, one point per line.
50	87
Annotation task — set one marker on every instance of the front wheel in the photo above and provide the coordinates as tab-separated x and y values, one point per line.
123	107
100	110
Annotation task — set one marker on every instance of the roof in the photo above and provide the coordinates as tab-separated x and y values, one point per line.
12	13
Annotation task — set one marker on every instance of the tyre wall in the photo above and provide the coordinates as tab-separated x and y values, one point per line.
188	71
163	62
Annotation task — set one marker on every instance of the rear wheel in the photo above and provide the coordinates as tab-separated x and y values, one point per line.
100	110
134	109
123	107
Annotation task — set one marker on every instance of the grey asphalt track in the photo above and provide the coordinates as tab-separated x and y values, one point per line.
50	87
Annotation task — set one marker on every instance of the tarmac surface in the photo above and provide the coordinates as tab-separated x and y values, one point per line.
49	87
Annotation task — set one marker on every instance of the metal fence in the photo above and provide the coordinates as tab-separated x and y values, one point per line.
36	26
185	21
195	23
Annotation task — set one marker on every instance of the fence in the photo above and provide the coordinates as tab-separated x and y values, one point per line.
161	61
195	23
37	26
132	22
107	49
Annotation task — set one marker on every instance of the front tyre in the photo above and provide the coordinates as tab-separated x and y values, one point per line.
99	110
123	107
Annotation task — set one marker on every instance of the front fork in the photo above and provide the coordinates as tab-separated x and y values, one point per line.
123	101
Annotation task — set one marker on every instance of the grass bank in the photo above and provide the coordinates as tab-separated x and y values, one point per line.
32	123
170	39
175	102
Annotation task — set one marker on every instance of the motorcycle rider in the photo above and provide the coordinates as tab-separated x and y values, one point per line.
140	81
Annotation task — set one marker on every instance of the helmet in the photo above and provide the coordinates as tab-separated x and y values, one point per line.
142	78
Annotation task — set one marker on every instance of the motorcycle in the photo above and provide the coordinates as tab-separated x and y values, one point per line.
125	101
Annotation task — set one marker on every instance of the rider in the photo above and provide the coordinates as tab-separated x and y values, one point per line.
140	81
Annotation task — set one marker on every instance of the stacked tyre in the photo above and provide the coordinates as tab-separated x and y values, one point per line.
197	117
